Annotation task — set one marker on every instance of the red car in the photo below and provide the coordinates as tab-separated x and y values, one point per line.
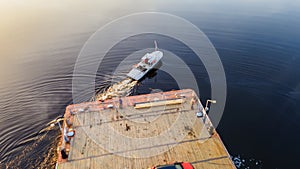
177	165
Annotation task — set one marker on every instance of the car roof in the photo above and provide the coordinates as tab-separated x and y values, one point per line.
171	166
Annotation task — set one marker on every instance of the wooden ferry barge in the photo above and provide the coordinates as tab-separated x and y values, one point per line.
139	132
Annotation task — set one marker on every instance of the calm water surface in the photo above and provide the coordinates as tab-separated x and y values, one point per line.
258	43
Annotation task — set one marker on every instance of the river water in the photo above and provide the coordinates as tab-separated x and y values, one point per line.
258	44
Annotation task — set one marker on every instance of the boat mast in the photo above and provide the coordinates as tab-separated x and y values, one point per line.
155	44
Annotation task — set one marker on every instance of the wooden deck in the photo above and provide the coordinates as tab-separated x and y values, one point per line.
135	135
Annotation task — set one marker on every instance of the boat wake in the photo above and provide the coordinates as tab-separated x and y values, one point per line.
120	89
39	152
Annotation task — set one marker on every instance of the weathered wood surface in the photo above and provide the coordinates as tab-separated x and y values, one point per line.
125	137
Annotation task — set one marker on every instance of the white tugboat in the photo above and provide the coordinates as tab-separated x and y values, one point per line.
148	62
124	88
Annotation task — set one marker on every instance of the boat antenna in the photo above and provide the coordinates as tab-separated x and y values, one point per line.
155	44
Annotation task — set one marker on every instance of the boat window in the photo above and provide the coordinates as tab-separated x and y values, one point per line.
141	68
